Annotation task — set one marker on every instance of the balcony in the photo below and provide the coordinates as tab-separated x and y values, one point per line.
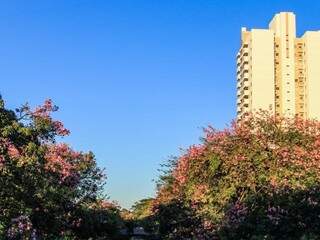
245	76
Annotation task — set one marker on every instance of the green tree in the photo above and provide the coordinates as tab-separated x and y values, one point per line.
142	215
44	184
258	179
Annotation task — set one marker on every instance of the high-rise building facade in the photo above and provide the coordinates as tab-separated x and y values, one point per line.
279	72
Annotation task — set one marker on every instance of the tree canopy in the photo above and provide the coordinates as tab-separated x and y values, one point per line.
257	179
47	189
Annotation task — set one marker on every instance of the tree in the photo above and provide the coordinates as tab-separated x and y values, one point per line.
258	179
44	183
142	215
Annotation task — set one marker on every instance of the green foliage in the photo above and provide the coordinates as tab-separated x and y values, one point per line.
97	222
142	208
258	179
176	221
142	215
48	190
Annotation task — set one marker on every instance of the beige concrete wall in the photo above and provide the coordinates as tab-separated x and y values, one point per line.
243	72
312	71
262	67
300	76
284	27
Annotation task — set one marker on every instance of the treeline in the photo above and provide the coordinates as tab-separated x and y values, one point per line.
257	179
47	189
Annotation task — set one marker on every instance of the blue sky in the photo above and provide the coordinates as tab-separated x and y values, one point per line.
135	79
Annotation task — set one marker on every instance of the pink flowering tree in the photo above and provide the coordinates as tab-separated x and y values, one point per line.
257	179
44	184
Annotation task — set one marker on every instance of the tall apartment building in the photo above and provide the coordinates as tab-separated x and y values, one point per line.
279	72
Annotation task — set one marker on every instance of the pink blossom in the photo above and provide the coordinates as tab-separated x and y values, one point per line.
60	129
44	112
13	151
62	159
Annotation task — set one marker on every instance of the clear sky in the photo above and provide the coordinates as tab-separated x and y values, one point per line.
135	79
